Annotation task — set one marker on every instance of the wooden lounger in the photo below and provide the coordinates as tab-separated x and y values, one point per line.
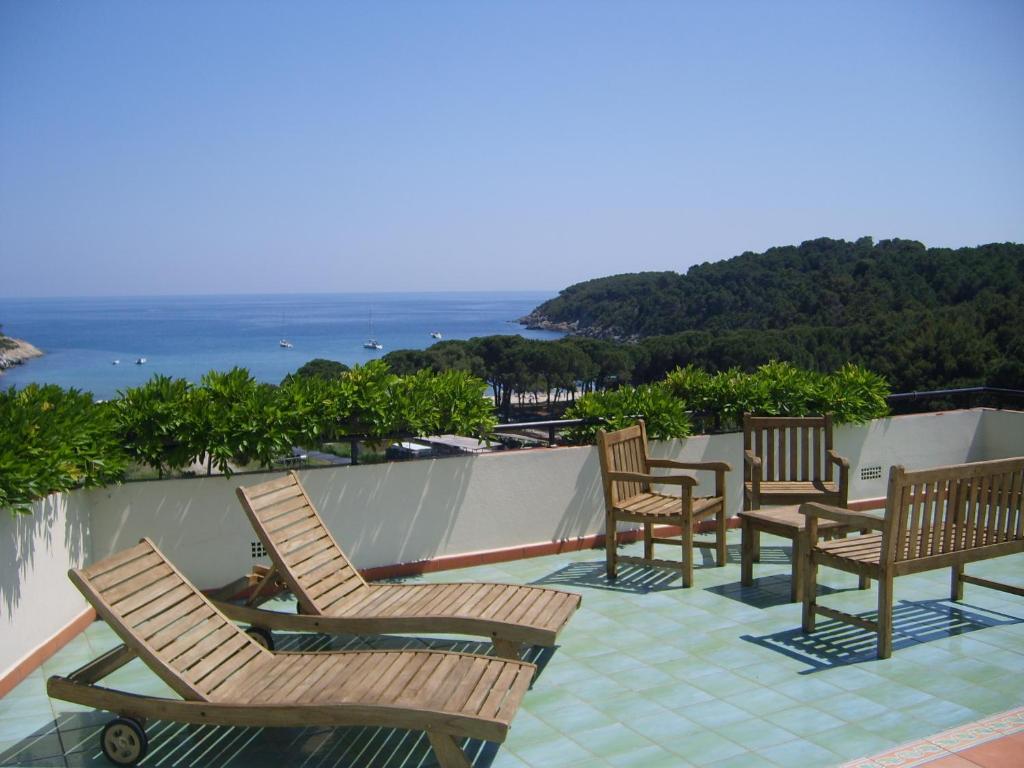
334	598
225	677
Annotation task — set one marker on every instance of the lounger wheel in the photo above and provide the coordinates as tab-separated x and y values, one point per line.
124	741
261	636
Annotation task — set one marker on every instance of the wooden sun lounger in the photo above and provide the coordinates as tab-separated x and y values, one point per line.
225	677
335	599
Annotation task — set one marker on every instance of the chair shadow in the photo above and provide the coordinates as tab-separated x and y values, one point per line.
836	644
72	739
766	591
634	579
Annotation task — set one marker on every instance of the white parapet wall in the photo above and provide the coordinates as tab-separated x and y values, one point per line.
36	551
409	511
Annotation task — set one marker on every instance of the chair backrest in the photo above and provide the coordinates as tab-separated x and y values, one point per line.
937	511
624	450
306	554
790	448
169	623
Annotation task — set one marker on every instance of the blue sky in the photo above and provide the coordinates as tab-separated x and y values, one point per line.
213	147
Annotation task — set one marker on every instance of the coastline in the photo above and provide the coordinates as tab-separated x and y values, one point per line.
17	354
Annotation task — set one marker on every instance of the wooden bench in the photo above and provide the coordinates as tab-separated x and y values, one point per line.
934	518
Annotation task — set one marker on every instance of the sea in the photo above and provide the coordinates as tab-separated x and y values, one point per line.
92	344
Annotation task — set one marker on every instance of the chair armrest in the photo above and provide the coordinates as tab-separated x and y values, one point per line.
712	466
640	477
840	515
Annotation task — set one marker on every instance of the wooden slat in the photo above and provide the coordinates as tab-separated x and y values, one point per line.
116	561
143	597
291	518
127	571
113	595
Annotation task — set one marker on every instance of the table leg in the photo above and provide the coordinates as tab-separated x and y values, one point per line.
747	533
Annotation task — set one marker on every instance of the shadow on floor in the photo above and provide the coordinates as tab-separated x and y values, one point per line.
632	578
72	740
836	644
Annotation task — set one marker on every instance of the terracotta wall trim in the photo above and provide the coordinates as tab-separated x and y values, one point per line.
33	660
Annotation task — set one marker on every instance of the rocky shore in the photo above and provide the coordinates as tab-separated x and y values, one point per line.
538	322
15	352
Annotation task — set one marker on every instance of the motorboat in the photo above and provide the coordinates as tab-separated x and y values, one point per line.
435	334
372	344
285	344
140	361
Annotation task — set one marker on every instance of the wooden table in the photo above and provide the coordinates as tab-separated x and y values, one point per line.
779	521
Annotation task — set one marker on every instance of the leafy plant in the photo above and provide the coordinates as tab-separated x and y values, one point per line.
664	414
52	440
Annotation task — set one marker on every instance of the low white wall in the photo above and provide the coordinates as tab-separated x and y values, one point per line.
36	551
391	513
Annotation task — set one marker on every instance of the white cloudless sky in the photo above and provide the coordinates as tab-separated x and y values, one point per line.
241	147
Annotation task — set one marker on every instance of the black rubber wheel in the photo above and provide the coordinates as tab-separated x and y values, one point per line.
261	636
123	740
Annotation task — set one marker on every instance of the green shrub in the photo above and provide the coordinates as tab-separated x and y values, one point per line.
664	414
53	440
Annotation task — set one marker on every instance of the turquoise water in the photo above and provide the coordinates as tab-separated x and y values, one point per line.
186	336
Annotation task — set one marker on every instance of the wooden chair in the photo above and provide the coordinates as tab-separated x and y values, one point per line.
790	460
627	480
334	598
225	677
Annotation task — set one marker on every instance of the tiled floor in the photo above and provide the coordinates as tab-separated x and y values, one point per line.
650	674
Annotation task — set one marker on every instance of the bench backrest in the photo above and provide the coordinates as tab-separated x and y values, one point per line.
936	512
169	623
306	554
793	448
624	450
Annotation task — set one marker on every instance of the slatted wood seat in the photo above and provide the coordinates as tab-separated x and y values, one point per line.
934	518
226	677
333	597
627	481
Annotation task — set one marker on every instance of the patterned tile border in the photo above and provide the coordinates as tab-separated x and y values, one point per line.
945	743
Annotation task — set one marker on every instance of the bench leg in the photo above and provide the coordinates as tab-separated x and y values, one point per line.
648	544
447	750
610	545
956	587
747	535
885	616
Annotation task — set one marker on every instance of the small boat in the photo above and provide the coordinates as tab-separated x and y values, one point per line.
435	334
285	344
116	362
140	361
372	343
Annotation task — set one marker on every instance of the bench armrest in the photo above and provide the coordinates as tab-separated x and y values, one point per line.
838	460
640	477
840	515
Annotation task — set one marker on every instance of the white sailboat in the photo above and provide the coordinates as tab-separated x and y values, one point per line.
372	343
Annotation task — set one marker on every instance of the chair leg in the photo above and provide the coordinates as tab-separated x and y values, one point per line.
723	550
648	543
796	582
449	755
885	616
809	590
747	535
687	545
610	546
956	587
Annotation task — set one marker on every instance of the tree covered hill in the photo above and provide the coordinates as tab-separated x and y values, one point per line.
820	283
923	317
